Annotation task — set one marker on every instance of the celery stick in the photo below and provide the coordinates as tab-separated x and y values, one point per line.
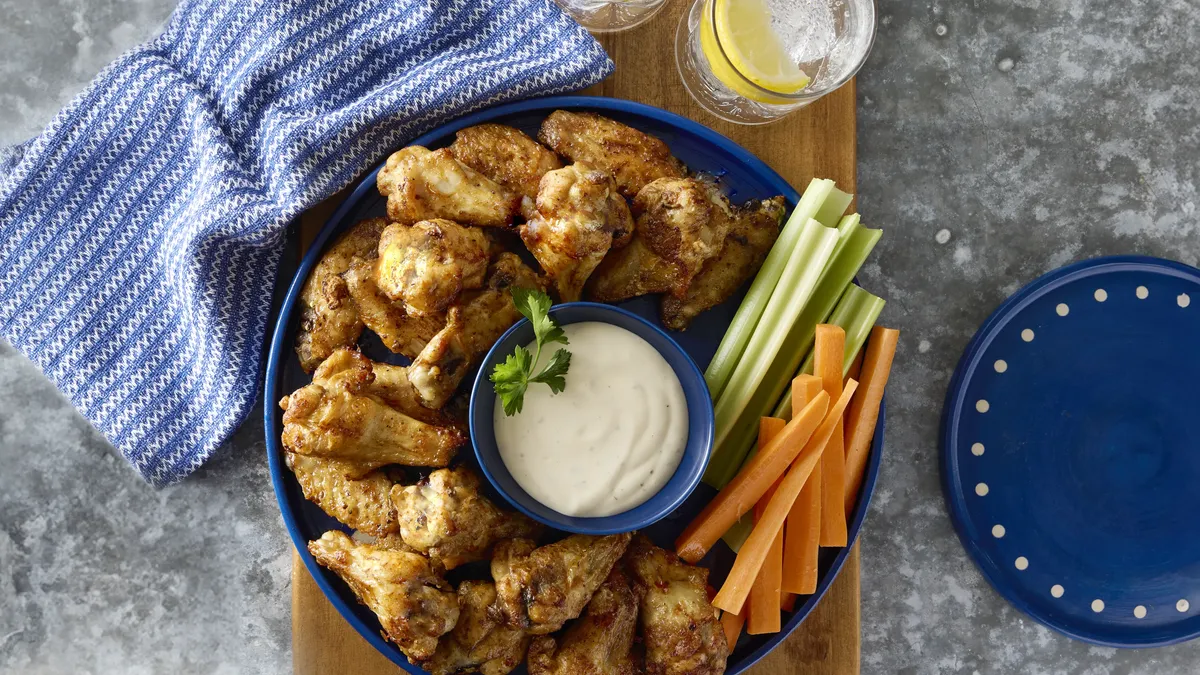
833	208
796	285
750	311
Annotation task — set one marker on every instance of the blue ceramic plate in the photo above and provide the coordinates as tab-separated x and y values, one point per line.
742	176
1071	451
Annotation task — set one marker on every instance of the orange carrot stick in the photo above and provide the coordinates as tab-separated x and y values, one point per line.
750	558
802	532
855	371
732	625
864	411
829	353
751	483
764	594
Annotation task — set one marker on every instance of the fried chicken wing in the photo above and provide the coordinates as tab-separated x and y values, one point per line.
359	503
633	158
680	627
422	185
542	589
329	318
579	217
479	642
507	156
473	324
397	330
425	266
389	383
753	233
415	606
600	642
630	272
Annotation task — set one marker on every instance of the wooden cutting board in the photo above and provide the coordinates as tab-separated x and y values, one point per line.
818	141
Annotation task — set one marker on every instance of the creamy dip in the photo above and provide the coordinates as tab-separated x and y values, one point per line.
611	439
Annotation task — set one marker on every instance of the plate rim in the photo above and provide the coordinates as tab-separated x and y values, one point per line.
951	413
278	352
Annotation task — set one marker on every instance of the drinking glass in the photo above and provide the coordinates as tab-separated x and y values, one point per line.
606	16
754	61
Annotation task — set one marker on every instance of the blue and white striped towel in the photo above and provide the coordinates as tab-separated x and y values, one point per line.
141	231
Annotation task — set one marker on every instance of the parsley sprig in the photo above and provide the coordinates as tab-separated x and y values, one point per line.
511	378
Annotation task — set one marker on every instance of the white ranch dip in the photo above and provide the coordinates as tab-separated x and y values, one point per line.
611	439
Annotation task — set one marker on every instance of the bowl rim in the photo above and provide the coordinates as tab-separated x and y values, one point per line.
617	522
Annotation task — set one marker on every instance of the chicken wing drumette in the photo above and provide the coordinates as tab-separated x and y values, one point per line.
427	265
507	156
541	589
397	330
579	217
633	158
387	382
415	605
600	642
422	185
479	642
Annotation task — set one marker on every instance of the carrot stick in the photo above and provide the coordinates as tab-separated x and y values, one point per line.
789	602
829	353
802	532
855	371
764	593
864	411
732	625
751	483
750	559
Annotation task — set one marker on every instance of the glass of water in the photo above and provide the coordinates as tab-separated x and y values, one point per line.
754	61
606	16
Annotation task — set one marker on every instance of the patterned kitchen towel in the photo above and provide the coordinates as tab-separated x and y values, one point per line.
141	231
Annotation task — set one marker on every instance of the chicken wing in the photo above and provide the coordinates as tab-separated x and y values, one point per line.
397	330
422	185
680	627
425	266
415	606
633	158
630	272
329	318
479	642
753	233
599	643
507	156
473	324
579	217
389	383
542	589
359	503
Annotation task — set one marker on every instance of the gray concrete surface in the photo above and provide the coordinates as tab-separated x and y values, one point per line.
1028	133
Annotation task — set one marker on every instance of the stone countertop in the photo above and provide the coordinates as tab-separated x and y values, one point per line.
998	139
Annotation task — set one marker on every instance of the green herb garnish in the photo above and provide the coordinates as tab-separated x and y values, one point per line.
511	378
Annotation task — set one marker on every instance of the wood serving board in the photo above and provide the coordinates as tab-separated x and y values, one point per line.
818	141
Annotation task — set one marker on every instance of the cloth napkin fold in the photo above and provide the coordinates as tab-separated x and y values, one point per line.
141	231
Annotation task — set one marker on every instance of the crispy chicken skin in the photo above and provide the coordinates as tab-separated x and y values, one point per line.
633	158
630	272
539	590
422	185
425	266
415	606
446	518
389	383
600	642
507	156
359	503
753	233
329	318
479	642
473	324
579	217
397	330
680	627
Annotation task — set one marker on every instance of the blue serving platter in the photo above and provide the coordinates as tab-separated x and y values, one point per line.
1070	451
741	175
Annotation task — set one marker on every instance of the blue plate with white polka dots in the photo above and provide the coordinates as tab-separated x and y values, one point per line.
1070	451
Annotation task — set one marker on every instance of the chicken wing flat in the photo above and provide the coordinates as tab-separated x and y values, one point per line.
397	330
600	642
359	503
329	318
415	606
542	589
425	266
753	233
507	156
389	383
630	272
479	642
680	627
579	217
477	321
635	159
446	518
422	185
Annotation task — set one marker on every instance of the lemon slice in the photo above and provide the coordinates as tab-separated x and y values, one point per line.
743	46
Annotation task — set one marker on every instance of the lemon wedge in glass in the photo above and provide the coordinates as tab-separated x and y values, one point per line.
742	46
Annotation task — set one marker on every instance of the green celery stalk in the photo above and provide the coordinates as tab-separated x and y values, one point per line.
733	344
833	207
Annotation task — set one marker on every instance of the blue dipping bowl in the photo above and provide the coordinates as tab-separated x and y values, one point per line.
695	454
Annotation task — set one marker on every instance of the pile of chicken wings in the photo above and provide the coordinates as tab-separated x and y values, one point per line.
600	211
